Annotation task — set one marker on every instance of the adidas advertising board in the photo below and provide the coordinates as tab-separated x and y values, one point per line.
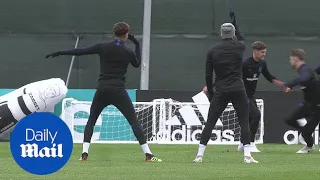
293	136
187	123
41	143
277	106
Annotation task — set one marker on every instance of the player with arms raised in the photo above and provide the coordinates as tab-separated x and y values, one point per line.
226	60
309	82
115	57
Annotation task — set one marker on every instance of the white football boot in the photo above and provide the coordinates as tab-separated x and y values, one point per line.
198	159
250	160
254	148
306	150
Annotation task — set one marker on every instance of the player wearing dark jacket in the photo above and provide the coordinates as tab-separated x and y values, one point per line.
309	82
225	59
115	57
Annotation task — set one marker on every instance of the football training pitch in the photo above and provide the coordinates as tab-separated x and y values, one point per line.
126	161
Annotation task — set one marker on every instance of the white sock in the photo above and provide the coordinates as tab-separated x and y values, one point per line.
145	148
85	147
246	150
201	149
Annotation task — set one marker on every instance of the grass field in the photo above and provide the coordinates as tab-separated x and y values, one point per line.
126	161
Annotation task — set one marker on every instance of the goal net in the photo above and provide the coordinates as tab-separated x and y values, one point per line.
111	125
162	120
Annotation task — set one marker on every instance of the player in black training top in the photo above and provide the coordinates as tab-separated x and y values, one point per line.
115	57
252	67
225	59
309	82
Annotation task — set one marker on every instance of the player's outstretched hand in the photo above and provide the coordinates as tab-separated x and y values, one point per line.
133	39
55	54
209	94
205	89
287	89
232	15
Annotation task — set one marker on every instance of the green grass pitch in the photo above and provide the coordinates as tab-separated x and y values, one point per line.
126	161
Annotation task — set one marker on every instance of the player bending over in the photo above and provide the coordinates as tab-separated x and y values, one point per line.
115	57
225	59
39	96
309	82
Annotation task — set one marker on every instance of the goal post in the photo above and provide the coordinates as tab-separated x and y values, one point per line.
163	121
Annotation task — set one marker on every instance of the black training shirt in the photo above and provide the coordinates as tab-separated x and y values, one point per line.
225	59
251	71
115	57
309	83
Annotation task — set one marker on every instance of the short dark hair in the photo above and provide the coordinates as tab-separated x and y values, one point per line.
299	53
259	45
120	29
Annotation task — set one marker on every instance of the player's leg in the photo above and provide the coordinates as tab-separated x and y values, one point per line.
241	105
123	102
217	106
308	129
255	116
254	119
99	102
300	112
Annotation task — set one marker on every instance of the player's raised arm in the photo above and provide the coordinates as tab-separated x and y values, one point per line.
136	56
239	35
209	74
94	49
